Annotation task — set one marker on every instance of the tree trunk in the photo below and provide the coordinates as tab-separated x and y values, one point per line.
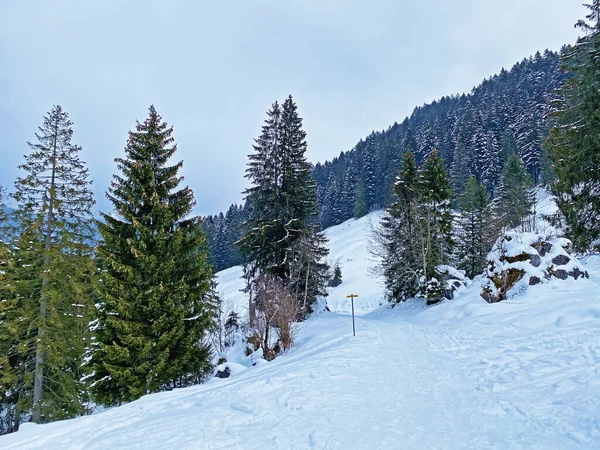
251	309
17	417
38	380
306	288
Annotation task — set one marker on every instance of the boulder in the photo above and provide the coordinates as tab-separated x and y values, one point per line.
534	280
223	373
490	297
517	258
542	247
534	259
561	274
451	287
434	301
560	260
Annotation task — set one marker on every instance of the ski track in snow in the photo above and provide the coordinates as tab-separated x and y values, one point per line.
524	373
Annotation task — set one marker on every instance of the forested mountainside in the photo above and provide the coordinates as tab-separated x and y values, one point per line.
474	134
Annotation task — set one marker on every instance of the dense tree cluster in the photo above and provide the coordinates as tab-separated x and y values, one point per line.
222	231
474	134
415	235
574	142
84	324
422	240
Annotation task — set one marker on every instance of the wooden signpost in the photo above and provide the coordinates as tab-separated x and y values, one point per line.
352	297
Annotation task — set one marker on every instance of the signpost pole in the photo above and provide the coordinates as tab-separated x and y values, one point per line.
351	297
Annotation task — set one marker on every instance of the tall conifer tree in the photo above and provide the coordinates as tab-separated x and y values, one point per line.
516	195
435	223
46	310
154	311
398	238
473	239
282	202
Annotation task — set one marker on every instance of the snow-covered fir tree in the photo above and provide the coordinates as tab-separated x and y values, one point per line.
473	237
397	240
434	224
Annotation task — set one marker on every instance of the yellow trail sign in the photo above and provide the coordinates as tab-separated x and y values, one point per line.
351	296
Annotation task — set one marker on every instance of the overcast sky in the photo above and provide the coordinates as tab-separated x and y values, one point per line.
212	69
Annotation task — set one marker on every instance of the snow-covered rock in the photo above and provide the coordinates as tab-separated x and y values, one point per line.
519	260
226	369
455	280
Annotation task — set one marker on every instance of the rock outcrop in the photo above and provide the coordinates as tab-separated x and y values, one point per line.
519	260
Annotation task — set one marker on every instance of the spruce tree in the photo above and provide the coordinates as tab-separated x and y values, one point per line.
154	314
346	197
328	210
434	223
337	276
529	142
262	242
409	142
462	166
516	195
473	237
574	142
479	149
367	152
283	209
426	142
47	308
490	174
231	327
397	240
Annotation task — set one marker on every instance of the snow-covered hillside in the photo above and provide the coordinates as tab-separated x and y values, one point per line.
347	247
523	373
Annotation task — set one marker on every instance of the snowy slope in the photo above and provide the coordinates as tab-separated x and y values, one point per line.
523	373
347	247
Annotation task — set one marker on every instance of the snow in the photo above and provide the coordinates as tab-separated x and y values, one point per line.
348	245
231	284
522	373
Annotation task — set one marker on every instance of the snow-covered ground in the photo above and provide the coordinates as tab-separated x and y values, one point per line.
523	373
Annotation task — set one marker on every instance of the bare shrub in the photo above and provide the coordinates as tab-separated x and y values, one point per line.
278	309
286	317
